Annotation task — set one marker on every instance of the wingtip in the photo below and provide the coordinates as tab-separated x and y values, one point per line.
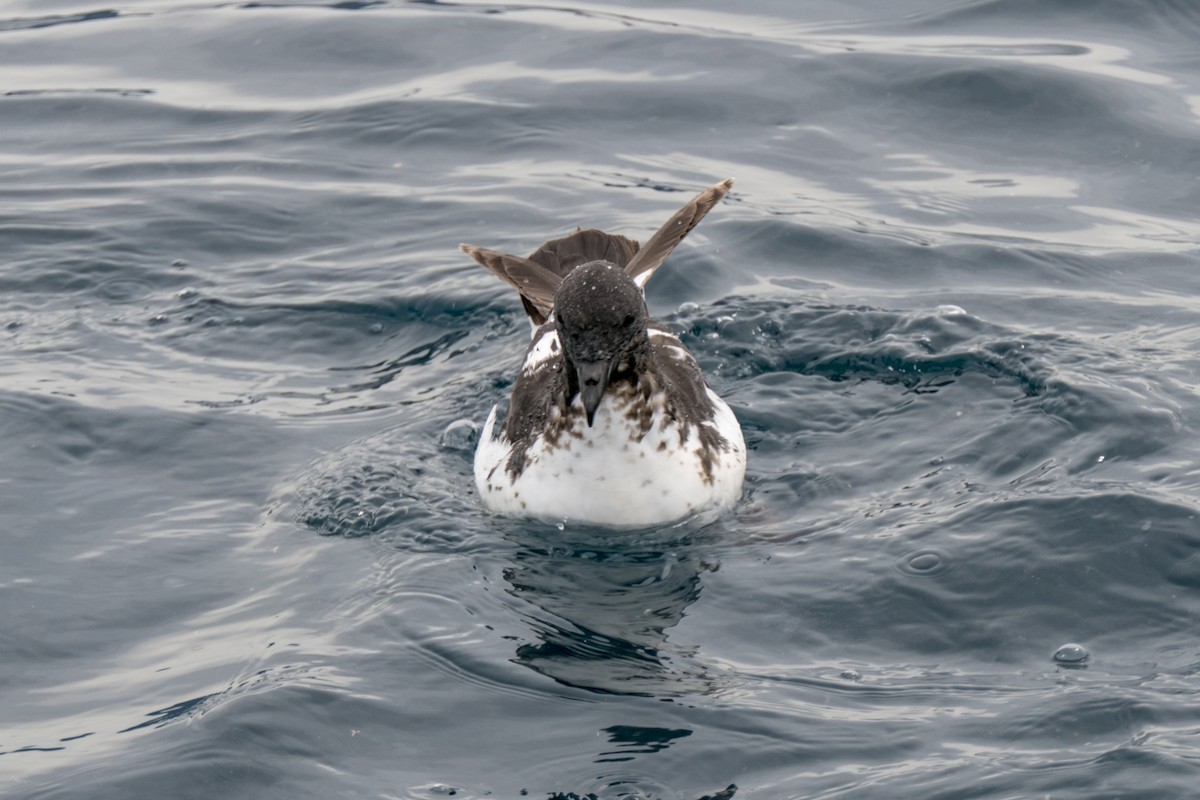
714	194
480	255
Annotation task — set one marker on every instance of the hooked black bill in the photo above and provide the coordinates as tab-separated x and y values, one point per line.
601	318
593	380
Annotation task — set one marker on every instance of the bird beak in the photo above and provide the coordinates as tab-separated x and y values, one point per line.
593	380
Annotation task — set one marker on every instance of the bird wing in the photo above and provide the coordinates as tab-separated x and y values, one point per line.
659	246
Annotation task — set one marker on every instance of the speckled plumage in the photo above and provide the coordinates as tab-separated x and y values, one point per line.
610	420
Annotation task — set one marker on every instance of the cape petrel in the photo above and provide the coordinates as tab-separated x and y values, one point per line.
610	422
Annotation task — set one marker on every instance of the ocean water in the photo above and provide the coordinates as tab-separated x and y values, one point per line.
954	299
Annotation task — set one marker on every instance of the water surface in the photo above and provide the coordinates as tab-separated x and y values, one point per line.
952	299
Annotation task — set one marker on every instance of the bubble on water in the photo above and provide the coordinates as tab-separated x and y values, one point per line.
186	293
462	434
951	311
179	263
1071	655
158	319
688	308
937	460
376	327
851	675
923	563
562	526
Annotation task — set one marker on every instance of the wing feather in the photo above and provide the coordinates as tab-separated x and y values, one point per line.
537	277
656	249
536	284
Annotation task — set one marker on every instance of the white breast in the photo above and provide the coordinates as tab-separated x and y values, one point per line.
603	475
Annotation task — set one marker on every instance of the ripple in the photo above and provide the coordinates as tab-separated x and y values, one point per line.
30	23
917	350
119	92
124	289
633	785
382	485
924	564
959	269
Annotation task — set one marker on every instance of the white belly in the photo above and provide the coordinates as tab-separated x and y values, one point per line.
606	477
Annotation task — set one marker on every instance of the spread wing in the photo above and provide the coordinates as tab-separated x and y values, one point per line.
537	277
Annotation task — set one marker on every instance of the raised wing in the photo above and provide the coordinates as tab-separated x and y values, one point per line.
536	284
537	277
656	249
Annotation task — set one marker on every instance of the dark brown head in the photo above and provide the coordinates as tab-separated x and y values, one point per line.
601	318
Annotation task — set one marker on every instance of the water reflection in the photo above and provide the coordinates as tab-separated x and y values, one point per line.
599	607
632	740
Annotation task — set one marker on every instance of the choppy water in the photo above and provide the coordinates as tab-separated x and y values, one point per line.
953	300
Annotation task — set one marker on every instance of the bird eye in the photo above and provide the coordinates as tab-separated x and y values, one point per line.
629	320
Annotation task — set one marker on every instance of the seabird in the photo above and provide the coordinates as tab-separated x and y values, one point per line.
610	421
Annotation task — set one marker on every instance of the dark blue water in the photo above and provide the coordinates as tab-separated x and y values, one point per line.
954	300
